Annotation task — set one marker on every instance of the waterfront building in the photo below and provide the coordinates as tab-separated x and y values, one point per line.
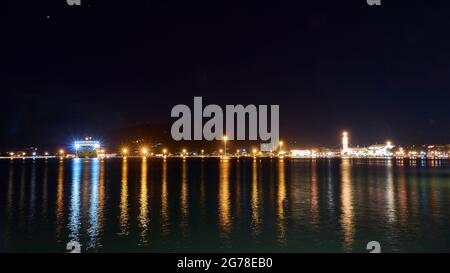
302	153
380	150
438	151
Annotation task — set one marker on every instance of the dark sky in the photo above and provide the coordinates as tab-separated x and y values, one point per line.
379	72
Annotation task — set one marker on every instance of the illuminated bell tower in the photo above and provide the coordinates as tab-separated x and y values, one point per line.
344	143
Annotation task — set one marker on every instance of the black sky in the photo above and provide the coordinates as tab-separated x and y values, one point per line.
379	72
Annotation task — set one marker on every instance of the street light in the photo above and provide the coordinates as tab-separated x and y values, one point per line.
124	151
225	138
144	152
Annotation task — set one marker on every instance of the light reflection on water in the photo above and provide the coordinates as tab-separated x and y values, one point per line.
164	201
347	203
74	214
124	210
281	200
241	204
60	200
184	198
225	220
143	204
256	220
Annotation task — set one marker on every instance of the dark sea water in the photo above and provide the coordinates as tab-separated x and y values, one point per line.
213	205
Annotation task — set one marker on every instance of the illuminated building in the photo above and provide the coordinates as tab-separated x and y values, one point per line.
376	150
437	151
380	150
302	153
87	148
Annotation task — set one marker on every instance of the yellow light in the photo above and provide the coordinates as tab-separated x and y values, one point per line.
281	143
46	153
11	154
225	138
144	151
203	151
255	151
24	154
164	151
220	151
237	151
124	151
102	151
184	151
61	151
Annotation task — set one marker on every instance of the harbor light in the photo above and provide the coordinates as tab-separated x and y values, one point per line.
345	148
280	152
124	151
400	152
225	138
144	151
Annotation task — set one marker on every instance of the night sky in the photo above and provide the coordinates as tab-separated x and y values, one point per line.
379	72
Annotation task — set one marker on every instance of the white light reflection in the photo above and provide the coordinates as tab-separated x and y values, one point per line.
74	214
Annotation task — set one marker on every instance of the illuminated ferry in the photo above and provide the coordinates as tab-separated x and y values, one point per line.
87	148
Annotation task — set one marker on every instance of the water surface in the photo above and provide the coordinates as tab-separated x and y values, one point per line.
213	205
